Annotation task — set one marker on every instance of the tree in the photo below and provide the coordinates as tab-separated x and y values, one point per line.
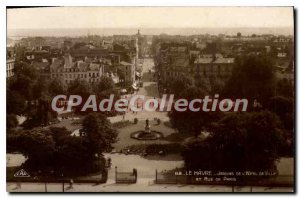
216	85
20	53
284	108
198	154
15	102
99	133
105	84
238	142
177	85
202	83
11	121
24	90
189	121
54	150
23	85
40	88
55	87
73	157
59	134
38	146
252	78
23	81
285	88
79	87
23	68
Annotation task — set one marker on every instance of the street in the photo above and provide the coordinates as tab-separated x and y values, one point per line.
149	90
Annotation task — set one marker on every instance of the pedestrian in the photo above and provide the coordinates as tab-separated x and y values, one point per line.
71	183
109	162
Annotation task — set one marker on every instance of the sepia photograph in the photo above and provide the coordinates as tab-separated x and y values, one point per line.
150	99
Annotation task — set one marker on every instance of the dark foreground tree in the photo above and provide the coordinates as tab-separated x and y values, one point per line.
15	103
177	85
55	151
79	87
193	122
99	133
11	121
105	84
55	87
252	78
238	142
285	88
284	108
37	145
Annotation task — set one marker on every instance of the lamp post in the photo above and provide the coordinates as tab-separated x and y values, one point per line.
116	173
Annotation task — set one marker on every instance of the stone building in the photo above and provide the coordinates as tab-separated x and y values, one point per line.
220	67
10	65
67	70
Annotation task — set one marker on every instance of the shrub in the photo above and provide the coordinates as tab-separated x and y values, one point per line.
158	121
11	121
135	120
153	149
121	124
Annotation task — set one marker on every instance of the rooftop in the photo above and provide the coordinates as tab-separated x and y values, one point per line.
217	61
125	63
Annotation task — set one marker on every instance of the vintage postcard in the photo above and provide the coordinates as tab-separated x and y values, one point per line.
150	99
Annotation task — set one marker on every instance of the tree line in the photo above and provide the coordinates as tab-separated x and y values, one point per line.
249	140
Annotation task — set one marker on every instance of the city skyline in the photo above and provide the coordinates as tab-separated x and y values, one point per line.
17	34
196	104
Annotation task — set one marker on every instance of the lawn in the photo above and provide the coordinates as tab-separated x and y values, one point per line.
124	139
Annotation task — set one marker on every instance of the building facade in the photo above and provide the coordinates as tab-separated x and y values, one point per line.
10	66
66	70
213	67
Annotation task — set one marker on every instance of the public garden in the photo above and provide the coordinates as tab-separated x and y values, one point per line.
147	156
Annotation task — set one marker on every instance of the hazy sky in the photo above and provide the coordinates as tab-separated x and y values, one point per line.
149	17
